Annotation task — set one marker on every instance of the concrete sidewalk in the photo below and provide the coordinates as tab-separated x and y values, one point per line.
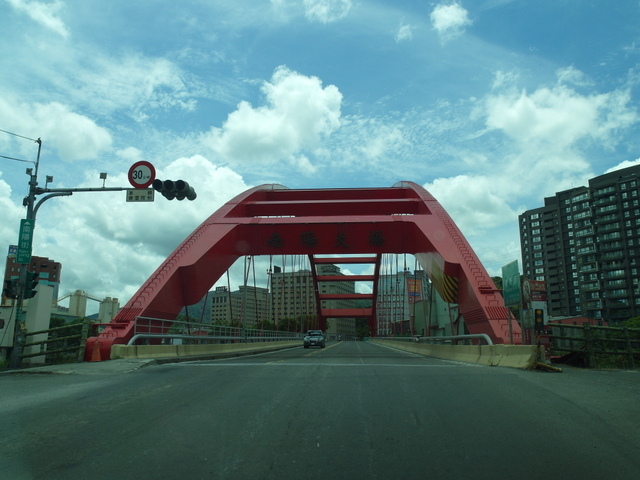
126	365
108	367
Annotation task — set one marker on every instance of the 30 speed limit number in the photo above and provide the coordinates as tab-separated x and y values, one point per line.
141	174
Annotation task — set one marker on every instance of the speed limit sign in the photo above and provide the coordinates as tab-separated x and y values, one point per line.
141	174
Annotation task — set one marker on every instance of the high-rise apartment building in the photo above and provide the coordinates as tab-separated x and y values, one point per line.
585	244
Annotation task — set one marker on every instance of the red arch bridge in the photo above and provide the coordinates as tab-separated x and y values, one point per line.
359	224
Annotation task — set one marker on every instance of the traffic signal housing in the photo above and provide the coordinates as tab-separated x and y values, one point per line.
538	315
30	286
10	288
178	189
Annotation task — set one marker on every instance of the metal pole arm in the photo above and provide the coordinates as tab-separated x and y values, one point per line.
64	192
44	199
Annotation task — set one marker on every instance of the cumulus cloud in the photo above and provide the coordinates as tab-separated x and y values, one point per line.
46	14
559	116
298	113
73	136
543	136
476	203
449	20
327	11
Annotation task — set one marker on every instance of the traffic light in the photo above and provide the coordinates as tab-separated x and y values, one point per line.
30	286
178	189
11	288
538	315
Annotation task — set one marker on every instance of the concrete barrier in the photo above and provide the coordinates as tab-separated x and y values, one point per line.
515	356
173	351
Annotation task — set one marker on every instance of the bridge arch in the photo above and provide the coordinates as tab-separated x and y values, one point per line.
274	220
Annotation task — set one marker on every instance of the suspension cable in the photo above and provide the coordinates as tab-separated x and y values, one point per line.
229	298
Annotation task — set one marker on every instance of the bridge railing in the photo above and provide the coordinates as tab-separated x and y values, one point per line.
170	331
468	339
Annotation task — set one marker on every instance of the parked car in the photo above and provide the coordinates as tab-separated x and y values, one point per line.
314	338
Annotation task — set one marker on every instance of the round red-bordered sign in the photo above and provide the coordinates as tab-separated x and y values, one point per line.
141	174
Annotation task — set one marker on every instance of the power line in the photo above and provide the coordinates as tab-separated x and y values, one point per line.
21	136
17	159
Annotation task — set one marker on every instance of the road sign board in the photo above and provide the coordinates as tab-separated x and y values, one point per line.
141	174
139	195
25	239
511	284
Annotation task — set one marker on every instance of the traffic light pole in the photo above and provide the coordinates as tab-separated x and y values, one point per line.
170	189
32	210
18	327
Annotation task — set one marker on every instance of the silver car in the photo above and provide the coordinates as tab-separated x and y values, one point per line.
314	338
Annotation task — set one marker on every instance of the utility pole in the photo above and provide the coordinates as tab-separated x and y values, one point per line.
18	335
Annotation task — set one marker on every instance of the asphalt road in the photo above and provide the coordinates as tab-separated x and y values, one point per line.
353	410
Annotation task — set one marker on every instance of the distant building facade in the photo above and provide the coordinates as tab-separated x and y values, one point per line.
585	244
48	271
398	296
293	297
247	306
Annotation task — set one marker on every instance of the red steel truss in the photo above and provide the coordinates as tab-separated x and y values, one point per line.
273	220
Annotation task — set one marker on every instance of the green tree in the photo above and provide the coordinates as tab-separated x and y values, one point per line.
632	322
362	328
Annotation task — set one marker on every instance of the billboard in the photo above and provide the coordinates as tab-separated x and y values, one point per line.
414	288
533	291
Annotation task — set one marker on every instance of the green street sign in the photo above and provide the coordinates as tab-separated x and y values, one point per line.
511	284
25	239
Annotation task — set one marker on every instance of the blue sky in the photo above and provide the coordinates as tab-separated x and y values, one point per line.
491	105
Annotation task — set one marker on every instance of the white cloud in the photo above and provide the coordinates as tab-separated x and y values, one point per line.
504	79
559	117
130	154
546	133
298	113
475	203
571	75
449	20
625	164
133	83
327	11
405	32
43	13
10	215
73	136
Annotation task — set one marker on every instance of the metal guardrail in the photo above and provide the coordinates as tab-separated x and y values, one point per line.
596	340
72	343
203	333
